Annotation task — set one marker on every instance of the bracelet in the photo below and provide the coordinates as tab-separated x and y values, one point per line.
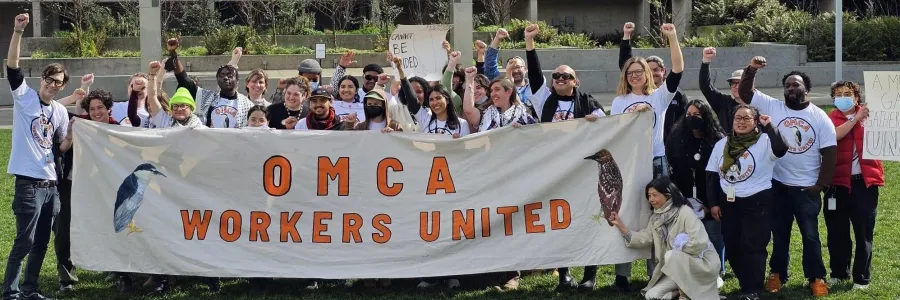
19	30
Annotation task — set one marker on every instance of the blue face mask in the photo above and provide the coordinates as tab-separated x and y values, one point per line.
843	103
314	85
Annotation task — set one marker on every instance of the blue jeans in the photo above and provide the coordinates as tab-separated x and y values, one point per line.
35	205
714	231
790	203
660	167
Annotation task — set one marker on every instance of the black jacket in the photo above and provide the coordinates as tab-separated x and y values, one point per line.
584	105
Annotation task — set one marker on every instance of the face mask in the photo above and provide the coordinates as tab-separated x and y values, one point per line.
374	111
314	85
843	103
694	122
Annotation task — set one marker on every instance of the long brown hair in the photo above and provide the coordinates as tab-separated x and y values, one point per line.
624	87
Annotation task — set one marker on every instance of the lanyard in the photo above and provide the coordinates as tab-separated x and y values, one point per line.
568	111
46	122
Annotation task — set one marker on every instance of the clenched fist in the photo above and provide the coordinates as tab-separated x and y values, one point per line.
154	68
480	46
21	21
765	120
501	34
172	44
628	29
758	62
87	79
446	46
708	54
470	73
668	30
531	31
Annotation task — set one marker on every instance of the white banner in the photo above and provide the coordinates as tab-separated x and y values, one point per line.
421	48
326	204
882	128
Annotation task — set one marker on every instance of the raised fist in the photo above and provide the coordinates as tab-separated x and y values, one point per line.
758	62
383	78
398	61
470	73
764	120
501	34
446	46
172	44
87	80
628	29
709	53
454	56
347	59
154	67
282	82
21	21
79	94
480	46
668	29
531	31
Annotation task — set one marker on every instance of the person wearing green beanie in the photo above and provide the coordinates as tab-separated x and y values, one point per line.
181	105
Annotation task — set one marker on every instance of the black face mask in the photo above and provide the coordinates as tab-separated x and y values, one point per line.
694	122
374	111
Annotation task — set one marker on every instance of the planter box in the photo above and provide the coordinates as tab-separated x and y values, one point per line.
360	41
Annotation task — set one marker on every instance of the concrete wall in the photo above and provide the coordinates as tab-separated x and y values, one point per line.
597	17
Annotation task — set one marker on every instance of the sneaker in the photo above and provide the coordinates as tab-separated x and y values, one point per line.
857	286
348	283
66	288
819	289
313	286
565	284
586	286
720	282
161	289
453	283
622	284
835	281
510	285
774	283
752	296
33	296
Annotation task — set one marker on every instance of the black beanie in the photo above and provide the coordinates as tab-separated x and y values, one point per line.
373	67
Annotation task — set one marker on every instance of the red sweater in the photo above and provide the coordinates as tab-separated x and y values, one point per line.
872	170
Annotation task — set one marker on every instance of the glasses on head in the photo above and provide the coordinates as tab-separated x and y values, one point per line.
563	76
180	107
635	73
52	81
743	119
371	78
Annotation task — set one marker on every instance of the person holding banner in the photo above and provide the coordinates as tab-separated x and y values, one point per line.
689	265
38	121
516	70
739	189
377	114
322	115
505	110
225	109
293	107
853	196
800	177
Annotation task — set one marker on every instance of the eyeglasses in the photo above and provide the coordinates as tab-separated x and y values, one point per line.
371	78
732	83
180	107
743	119
563	76
57	83
635	73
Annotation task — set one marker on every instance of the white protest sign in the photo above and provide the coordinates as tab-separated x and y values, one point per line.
421	50
320	51
881	139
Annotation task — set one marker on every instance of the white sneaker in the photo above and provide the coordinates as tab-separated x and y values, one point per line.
834	281
452	283
720	282
423	285
313	286
860	286
348	283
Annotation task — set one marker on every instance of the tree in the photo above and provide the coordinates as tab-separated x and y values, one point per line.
86	39
417	12
341	12
500	11
440	11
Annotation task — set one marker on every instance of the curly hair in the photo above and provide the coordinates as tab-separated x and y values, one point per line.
99	94
853	86
806	81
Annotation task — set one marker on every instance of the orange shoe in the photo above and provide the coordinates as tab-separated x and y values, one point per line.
774	284
818	287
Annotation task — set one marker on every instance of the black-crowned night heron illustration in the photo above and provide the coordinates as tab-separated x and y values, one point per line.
130	196
609	184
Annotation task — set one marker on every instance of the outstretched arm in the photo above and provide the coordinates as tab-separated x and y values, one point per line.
472	114
152	102
535	77
625	46
748	80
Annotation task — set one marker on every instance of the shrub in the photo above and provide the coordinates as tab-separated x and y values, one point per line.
121	53
220	41
886	30
700	41
576	40
37	54
724	12
195	51
516	29
733	37
89	42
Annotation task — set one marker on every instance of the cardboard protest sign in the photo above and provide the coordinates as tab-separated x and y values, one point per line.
882	128
421	50
358	204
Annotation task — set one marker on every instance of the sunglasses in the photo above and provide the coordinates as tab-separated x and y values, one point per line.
563	76
371	78
57	83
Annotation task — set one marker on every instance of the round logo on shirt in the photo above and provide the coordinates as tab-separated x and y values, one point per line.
633	107
798	133
742	168
562	115
227	114
42	132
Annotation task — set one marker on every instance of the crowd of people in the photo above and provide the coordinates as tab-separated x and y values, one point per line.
743	165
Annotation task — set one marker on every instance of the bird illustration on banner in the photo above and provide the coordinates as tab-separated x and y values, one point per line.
130	196
609	185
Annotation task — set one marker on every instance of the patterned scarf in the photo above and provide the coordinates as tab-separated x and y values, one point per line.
313	123
193	121
492	118
736	146
662	218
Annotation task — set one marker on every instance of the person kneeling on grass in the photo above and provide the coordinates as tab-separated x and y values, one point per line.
688	265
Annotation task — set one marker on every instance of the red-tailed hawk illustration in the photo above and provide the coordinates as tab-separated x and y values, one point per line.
609	184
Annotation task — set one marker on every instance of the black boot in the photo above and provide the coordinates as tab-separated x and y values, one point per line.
622	284
587	282
125	284
162	285
566	282
214	284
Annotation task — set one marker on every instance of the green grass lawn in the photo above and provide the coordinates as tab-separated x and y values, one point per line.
885	274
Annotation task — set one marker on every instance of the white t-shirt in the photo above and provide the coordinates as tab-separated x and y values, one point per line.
34	127
224	113
855	168
806	132
564	109
658	101
377	126
120	114
751	173
343	108
435	126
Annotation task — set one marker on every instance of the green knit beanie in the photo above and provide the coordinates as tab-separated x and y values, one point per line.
182	96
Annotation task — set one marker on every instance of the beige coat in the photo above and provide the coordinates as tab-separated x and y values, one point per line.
694	273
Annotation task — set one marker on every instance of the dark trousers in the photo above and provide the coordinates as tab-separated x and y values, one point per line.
62	244
857	205
714	231
35	206
790	203
747	224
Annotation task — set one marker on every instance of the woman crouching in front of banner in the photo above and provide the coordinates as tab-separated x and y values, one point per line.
688	265
739	188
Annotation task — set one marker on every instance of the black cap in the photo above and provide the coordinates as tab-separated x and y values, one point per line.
321	93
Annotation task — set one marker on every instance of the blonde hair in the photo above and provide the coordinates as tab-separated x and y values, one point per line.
624	87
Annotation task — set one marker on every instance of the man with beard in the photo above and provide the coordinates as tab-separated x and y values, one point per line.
800	176
322	115
225	109
658	69
371	75
516	70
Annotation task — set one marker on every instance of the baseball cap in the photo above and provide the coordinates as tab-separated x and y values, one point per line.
321	93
